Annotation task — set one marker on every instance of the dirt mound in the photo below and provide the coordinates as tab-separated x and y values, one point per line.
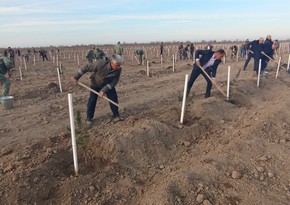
140	146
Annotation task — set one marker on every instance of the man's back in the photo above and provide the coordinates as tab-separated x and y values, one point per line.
203	55
268	46
139	51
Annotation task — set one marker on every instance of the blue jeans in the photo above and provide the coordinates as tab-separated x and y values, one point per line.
112	95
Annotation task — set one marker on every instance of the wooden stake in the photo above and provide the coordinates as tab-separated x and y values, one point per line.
259	72
173	63
228	83
72	128
148	71
25	66
184	99
288	64
277	71
137	60
20	73
59	81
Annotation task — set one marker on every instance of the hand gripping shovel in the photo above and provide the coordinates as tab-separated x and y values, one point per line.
212	81
90	89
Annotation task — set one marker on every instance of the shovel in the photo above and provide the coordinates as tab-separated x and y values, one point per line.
90	89
271	59
212	81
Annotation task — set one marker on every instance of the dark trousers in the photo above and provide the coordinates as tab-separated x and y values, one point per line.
250	55
263	64
112	95
44	57
194	74
256	64
140	58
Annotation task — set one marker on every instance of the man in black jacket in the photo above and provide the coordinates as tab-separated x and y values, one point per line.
249	53
257	47
268	47
209	60
105	76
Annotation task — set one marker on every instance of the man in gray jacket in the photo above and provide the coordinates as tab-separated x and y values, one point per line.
105	75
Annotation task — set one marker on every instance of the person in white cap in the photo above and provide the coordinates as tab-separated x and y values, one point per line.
105	75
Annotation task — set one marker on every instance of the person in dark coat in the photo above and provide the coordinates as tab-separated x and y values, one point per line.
161	49
209	61
268	47
43	54
139	52
268	52
191	50
257	47
249	53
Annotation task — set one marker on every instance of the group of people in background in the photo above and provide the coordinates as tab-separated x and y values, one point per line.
7	63
186	52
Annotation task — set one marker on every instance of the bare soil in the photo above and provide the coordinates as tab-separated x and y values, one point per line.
227	152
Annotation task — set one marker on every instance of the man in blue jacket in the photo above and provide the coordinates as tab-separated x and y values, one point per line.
257	47
268	47
209	61
268	50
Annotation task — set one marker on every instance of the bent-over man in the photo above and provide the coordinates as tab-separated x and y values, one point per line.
209	60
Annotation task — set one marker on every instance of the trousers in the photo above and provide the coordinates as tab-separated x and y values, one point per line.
91	107
194	74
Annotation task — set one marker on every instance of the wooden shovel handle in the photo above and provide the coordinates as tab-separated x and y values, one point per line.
271	59
90	89
137	59
212	81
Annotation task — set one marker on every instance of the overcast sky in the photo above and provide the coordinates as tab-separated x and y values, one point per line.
32	23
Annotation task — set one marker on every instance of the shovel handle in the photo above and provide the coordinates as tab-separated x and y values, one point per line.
271	59
137	59
212	81
90	89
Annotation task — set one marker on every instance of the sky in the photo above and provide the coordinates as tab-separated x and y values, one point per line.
36	23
